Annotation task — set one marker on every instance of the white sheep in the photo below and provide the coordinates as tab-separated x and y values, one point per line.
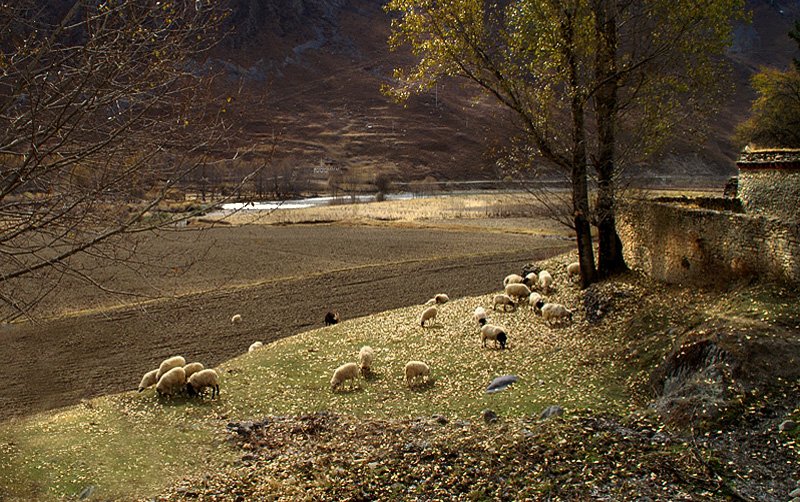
255	346
236	319
545	281
148	380
480	316
168	364
512	279
365	356
428	315
533	299
518	291
531	280
415	370
171	382
504	300
202	380
555	313
192	368
574	269
348	371
495	333
438	299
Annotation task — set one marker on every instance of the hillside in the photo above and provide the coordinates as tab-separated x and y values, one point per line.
310	73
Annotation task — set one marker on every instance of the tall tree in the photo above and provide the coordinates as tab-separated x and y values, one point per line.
595	84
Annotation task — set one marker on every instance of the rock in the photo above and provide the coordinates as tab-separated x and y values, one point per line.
552	411
787	425
439	419
489	416
87	492
501	383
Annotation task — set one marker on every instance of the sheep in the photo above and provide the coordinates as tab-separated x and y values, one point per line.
348	371
168	364
331	318
545	281
416	369
428	315
171	382
504	300
255	346
533	300
480	315
531	279
495	333
574	269
236	319
192	368
148	380
512	279
554	312
365	356
201	380
438	299
518	291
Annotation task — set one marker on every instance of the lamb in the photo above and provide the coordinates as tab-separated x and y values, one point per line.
255	346
236	319
512	279
518	291
171	382
553	313
331	318
415	370
192	368
545	281
168	364
480	316
428	315
504	300
201	380
365	356
348	371
533	300
438	299
574	269
148	380
495	333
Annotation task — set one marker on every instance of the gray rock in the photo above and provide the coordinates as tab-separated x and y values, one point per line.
501	383
552	411
787	425
489	416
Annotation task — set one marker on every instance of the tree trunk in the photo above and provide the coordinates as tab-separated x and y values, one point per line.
580	196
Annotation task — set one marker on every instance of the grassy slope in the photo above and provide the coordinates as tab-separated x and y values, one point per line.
132	445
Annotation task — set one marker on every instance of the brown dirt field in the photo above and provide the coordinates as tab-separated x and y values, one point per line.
281	280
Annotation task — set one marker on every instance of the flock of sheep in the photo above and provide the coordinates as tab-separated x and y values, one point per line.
173	376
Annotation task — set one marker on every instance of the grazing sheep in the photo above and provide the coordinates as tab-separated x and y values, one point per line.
415	370
531	280
171	382
438	299
365	356
518	291
512	279
495	333
255	346
201	380
503	300
148	380
348	371
428	315
545	281
331	318
574	269
554	313
236	319
192	368
533	300
480	316
168	364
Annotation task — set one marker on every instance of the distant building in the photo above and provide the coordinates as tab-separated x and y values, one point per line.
769	183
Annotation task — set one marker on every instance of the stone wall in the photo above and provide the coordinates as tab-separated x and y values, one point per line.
677	243
768	191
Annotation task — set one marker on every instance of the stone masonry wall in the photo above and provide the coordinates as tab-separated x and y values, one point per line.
773	192
677	244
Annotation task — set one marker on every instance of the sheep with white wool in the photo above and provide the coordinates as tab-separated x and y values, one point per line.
545	281
574	269
416	370
168	364
438	299
192	368
531	279
365	357
429	314
512	279
533	300
345	372
236	318
202	380
518	291
554	313
504	300
148	380
480	315
497	334
255	346
171	382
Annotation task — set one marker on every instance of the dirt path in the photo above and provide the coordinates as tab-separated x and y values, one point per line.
60	362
